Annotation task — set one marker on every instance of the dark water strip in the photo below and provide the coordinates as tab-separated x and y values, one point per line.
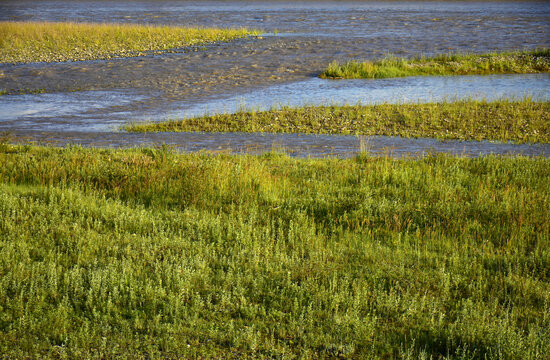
293	144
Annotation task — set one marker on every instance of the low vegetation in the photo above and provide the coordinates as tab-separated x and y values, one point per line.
517	121
23	42
149	254
520	62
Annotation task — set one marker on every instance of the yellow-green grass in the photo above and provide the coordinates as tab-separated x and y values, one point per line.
503	120
23	42
520	62
149	254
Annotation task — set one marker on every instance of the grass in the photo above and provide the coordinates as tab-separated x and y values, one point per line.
23	42
517	121
520	62
149	254
22	91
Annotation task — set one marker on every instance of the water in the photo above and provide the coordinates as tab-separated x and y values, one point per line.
294	144
73	111
93	111
86	102
417	89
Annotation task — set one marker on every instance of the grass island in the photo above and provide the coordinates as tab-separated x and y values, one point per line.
23	42
504	120
518	62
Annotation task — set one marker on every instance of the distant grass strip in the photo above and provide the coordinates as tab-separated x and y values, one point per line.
150	254
523	62
23	42
517	121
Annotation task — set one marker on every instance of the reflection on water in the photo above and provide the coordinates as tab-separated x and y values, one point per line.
61	112
108	110
419	89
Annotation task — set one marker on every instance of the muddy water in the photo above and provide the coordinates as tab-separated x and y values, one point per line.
302	39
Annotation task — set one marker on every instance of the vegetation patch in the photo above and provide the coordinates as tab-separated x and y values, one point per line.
145	253
517	121
521	62
23	42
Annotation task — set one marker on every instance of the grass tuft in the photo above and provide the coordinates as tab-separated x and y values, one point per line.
520	62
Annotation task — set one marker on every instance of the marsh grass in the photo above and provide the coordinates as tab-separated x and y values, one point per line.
520	62
22	42
147	254
518	121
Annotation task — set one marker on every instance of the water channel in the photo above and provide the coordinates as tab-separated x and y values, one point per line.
86	102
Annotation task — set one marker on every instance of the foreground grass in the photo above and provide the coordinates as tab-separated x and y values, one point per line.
520	62
149	254
22	42
518	121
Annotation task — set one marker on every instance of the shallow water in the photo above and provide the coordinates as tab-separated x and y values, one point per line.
93	111
418	89
294	144
92	97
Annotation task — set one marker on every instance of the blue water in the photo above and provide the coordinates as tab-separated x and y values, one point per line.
108	110
418	89
93	118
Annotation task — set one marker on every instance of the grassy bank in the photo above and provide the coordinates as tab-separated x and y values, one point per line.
518	121
22	42
149	254
536	61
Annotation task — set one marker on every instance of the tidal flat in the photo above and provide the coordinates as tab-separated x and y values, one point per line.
147	253
301	40
517	121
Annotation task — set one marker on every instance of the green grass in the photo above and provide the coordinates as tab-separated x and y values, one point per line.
23	42
519	62
149	254
517	121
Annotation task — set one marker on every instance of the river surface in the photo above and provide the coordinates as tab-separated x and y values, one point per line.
87	101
